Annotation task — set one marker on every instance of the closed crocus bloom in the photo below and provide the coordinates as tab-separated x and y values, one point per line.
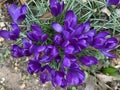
28	47
113	2
88	60
33	66
13	34
110	44
58	39
16	51
46	74
59	80
75	76
36	34
46	53
70	19
18	14
56	8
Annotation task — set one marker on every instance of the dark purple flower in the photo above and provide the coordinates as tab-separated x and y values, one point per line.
104	44
113	2
36	34
16	51
88	60
75	76
109	44
33	66
56	8
58	39
18	14
28	47
70	19
68	60
46	74
46	53
13	35
59	80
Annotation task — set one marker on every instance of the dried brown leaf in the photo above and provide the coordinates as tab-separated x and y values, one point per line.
106	11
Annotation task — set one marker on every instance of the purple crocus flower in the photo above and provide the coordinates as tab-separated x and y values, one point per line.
56	8
46	53
113	2
16	51
68	60
18	14
75	76
33	66
36	34
110	44
46	74
104	44
12	35
88	60
59	80
28	47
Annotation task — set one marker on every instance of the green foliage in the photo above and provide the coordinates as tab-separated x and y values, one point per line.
3	56
110	71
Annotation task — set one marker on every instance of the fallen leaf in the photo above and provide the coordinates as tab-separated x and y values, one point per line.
106	78
90	83
46	16
106	11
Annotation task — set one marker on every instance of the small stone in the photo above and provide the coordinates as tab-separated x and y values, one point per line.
16	68
24	77
23	86
1	39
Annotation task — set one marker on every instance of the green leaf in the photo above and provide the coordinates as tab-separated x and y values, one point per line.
110	71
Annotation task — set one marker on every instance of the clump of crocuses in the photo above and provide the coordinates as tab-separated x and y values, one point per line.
59	62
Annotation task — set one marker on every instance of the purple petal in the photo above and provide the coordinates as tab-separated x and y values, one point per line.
4	34
58	39
24	9
44	37
111	43
65	43
16	51
58	80
69	49
113	2
71	18
66	62
79	29
66	34
36	28
87	26
54	51
52	2
33	66
45	59
21	18
75	76
102	34
108	54
88	60
57	27
99	42
54	11
45	75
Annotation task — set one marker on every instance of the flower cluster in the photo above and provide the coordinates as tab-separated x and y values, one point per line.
59	62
